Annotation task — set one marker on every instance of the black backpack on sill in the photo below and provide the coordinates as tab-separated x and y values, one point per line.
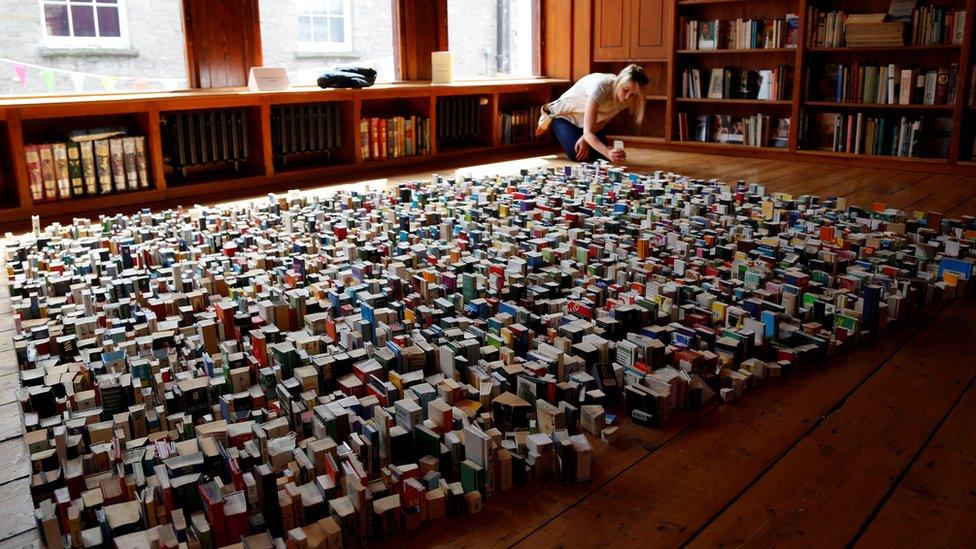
347	77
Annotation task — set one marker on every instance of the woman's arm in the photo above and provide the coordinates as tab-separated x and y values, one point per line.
590	128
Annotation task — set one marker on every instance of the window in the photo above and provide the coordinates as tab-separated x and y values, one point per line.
84	23
85	46
308	37
491	39
324	25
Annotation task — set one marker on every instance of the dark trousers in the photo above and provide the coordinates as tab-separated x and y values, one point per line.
568	134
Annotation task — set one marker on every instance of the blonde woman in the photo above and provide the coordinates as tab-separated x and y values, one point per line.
579	115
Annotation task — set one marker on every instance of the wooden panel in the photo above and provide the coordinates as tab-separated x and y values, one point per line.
611	30
650	29
419	29
582	38
223	41
557	43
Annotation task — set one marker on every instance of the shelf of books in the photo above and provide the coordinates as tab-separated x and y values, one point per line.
832	80
882	79
734	76
128	150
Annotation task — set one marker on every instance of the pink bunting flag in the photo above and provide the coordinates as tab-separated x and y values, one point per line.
21	72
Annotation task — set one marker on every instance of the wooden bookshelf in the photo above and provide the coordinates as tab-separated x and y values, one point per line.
808	62
27	120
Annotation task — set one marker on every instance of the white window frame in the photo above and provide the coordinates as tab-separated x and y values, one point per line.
87	42
326	46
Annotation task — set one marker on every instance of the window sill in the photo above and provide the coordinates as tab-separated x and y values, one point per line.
47	51
327	54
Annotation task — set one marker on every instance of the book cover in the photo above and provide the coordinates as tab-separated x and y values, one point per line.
61	170
88	167
103	166
117	159
33	158
716	84
74	169
129	162
142	163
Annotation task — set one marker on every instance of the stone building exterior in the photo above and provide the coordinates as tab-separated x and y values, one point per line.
145	50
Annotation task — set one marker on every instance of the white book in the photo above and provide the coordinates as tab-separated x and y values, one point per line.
930	81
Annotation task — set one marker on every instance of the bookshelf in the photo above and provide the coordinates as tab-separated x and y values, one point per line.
947	127
27	120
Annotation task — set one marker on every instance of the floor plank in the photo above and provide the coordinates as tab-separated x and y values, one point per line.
663	500
839	473
934	505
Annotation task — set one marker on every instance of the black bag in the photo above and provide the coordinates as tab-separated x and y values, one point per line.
347	77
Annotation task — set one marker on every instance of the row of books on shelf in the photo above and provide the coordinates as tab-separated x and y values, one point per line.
930	26
86	167
735	83
740	34
305	128
876	135
518	125
204	137
759	130
888	84
394	137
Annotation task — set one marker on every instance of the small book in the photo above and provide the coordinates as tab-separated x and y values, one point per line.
48	175
716	85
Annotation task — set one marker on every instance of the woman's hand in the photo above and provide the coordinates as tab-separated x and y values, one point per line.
582	149
617	156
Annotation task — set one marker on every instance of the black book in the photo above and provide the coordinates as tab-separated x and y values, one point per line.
303	128
315	128
292	130
335	123
178	140
234	128
203	132
222	130
245	146
214	143
190	127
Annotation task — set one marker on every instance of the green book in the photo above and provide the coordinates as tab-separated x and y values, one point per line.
472	477
75	173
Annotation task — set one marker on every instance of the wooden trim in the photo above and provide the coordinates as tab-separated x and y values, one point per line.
962	99
15	142
421	28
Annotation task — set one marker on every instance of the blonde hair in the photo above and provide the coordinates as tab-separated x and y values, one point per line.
634	73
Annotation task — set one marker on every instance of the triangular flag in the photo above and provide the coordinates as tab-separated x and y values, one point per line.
108	82
140	84
48	76
78	81
21	73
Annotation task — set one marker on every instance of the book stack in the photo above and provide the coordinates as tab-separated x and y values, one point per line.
825	29
409	353
878	135
759	130
518	125
298	130
459	121
198	138
888	84
739	34
863	30
90	163
735	83
394	137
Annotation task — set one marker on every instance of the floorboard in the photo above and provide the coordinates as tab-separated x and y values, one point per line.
839	474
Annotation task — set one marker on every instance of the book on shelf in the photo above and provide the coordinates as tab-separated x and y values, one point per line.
736	83
199	138
301	129
758	130
394	137
859	133
739	34
518	125
887	84
927	26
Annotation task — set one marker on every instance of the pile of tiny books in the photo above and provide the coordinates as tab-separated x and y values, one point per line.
332	370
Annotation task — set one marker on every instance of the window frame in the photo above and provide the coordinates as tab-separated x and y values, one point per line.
326	46
86	42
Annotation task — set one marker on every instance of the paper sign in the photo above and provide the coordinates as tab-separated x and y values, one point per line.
267	79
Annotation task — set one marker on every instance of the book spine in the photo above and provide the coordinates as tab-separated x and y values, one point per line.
61	170
88	167
117	159
103	165
48	174
129	161
142	163
74	170
33	159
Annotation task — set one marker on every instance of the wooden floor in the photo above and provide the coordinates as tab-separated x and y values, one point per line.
877	447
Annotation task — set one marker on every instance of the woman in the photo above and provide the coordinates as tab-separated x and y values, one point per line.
579	115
